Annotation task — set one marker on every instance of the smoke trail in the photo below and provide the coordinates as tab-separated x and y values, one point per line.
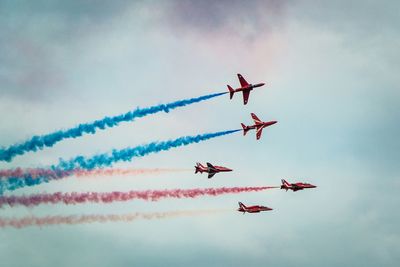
33	173
48	140
54	174
120	172
96	197
12	184
65	168
80	219
18	178
127	154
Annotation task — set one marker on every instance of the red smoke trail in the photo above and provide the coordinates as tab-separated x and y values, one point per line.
96	197
80	219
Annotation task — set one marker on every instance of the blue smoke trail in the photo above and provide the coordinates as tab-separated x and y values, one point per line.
48	140
107	159
14	183
63	168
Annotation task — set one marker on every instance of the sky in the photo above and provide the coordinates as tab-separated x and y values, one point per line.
332	83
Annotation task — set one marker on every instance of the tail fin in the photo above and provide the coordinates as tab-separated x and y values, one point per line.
231	91
197	167
284	182
245	129
241	205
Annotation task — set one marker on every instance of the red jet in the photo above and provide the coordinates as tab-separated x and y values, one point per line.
258	125
245	88
252	209
210	169
296	186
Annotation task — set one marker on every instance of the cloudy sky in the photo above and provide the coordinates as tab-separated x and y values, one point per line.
331	71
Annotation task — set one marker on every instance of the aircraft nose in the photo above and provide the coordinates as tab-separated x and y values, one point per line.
273	122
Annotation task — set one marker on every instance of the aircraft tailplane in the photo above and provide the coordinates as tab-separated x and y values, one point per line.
198	168
231	91
245	129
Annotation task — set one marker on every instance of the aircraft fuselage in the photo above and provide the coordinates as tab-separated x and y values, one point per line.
252	209
264	124
249	87
296	186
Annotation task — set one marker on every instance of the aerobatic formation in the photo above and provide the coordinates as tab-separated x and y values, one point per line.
89	166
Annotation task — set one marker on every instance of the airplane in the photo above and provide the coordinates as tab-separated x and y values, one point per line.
245	88
252	209
210	169
295	186
258	125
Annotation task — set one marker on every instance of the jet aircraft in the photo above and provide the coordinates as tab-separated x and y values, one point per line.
252	209
258	125
245	87
295	186
210	169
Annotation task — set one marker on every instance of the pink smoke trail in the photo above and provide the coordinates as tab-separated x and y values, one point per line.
52	174
33	173
115	172
96	197
81	219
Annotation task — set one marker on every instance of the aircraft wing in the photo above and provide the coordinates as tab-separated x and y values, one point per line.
256	119
210	167
242	81
259	132
211	174
246	94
